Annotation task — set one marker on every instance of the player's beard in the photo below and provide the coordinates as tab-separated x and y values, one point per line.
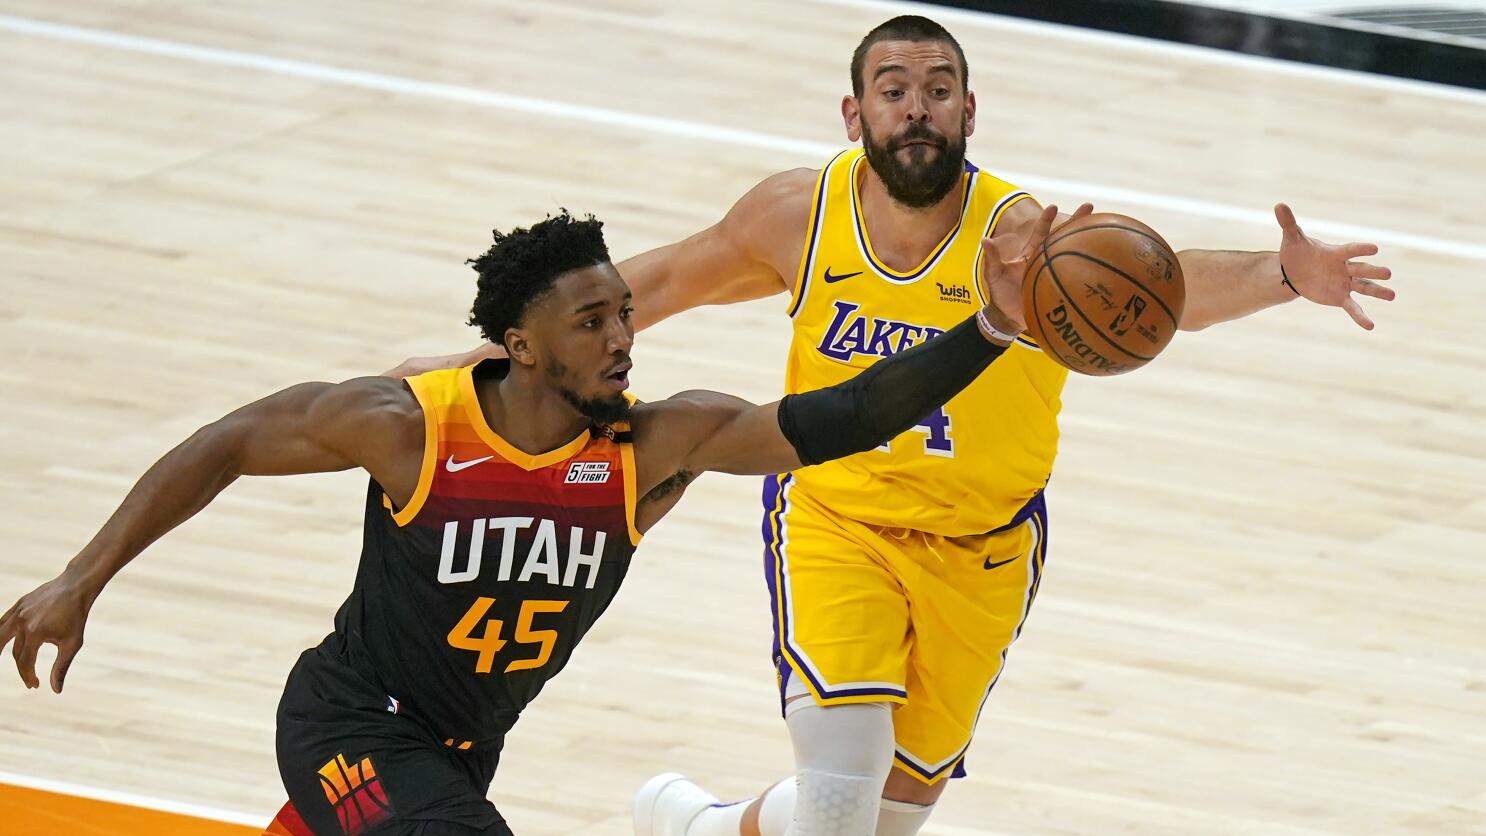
603	411
917	185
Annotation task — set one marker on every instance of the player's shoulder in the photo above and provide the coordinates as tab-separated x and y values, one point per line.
1018	216
683	418
382	403
691	409
769	221
665	432
791	184
784	196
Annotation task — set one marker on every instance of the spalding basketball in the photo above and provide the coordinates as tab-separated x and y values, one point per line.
1104	295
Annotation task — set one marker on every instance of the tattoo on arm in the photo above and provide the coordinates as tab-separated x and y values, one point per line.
674	483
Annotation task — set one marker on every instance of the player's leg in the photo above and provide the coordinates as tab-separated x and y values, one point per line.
969	602
841	644
842	757
350	766
841	753
288	822
907	803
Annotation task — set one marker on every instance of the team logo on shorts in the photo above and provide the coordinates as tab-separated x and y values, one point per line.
587	473
356	794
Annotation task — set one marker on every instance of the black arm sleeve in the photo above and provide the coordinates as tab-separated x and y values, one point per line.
887	399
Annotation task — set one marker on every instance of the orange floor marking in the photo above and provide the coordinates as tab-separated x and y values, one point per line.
28	812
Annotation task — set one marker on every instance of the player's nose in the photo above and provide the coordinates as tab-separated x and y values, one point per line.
620	341
917	106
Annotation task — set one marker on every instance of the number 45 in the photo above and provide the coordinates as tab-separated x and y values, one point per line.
489	643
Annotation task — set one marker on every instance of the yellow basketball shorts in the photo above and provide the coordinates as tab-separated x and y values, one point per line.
870	614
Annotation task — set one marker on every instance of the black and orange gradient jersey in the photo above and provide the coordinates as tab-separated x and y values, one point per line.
474	594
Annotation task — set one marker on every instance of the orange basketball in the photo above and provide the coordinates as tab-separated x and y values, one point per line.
1104	296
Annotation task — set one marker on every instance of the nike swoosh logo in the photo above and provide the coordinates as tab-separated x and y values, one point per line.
830	279
990	565
454	467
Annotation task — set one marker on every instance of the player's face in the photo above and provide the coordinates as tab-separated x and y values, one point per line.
913	118
582	337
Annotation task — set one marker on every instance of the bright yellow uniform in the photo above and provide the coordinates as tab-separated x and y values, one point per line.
904	573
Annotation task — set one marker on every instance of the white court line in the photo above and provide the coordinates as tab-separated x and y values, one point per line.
129	798
816	151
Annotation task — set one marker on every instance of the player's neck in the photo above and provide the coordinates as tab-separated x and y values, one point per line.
903	236
533	418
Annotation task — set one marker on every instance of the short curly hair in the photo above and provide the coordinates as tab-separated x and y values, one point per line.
520	267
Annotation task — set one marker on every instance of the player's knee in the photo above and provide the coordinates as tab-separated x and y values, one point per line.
844	739
843	754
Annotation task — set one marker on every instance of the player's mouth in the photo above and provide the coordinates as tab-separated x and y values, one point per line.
921	143
618	377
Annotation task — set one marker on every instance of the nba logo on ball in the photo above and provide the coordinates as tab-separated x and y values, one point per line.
1104	296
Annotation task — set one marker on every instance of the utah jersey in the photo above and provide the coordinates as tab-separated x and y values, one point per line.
968	467
474	594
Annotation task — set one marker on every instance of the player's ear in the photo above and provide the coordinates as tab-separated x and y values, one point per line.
969	112
518	347
851	114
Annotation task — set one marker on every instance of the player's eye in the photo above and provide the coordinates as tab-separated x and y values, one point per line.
941	92
892	94
626	312
592	322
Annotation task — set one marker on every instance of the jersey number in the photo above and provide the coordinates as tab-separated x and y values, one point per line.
489	642
936	427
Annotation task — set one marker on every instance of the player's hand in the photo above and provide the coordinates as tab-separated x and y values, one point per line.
1003	265
1326	273
54	613
414	366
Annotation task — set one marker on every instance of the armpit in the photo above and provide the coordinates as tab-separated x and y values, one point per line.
661	499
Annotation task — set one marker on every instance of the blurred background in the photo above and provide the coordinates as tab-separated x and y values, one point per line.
1263	607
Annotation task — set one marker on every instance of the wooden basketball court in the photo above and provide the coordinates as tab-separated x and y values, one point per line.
1265	605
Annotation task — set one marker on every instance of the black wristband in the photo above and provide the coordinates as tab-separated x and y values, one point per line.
1285	279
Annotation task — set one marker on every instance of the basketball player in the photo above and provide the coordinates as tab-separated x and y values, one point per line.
505	501
901	576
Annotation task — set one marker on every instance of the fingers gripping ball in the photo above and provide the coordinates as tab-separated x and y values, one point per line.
1104	295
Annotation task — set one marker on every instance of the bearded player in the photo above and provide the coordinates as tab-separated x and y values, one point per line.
900	576
504	503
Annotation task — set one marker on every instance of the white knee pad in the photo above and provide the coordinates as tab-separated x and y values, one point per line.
842	757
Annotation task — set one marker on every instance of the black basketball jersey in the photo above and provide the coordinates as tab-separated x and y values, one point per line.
469	598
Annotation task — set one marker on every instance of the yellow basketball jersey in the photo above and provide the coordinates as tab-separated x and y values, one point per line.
968	467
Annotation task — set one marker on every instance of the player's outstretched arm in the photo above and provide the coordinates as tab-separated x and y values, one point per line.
309	428
699	431
1228	285
751	253
1223	285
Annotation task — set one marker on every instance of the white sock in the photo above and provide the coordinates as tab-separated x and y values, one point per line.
727	819
778	811
719	820
901	818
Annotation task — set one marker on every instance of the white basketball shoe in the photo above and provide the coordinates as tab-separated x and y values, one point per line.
667	804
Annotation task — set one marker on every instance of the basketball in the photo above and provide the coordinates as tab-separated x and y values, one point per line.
1104	296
